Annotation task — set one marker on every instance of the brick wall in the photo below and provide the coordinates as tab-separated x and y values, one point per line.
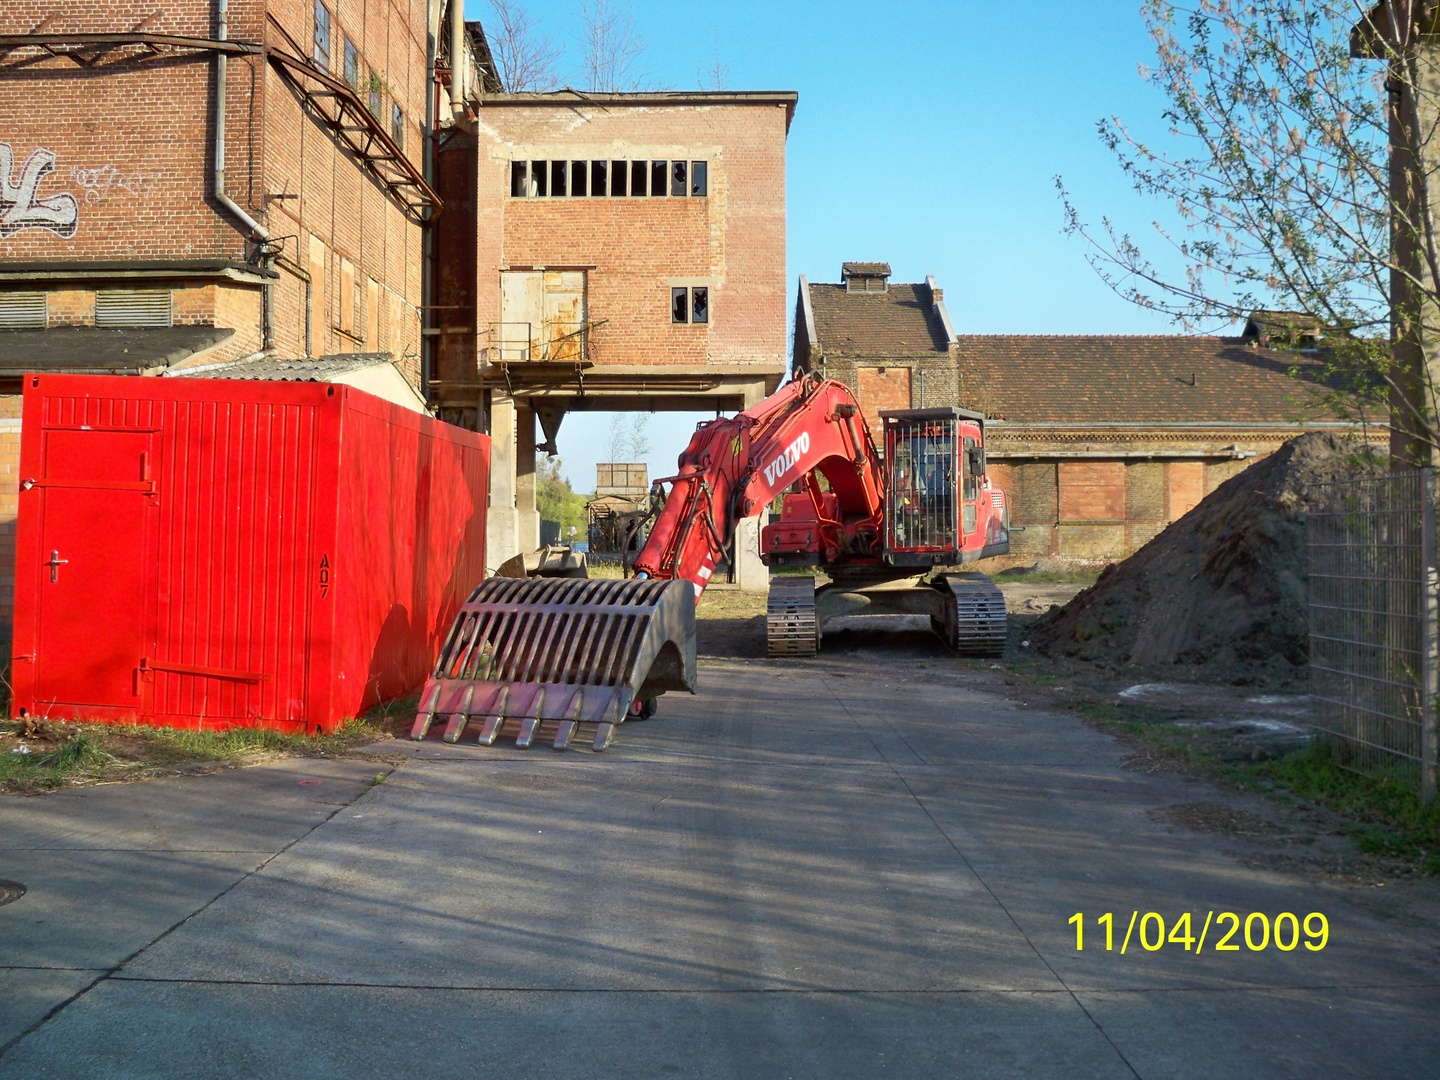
1104	508
733	239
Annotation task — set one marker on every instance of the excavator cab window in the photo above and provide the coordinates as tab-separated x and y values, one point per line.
922	485
970	490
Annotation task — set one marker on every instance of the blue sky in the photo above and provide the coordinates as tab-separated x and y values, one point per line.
927	136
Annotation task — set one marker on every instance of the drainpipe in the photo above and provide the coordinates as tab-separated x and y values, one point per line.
429	343
257	231
459	69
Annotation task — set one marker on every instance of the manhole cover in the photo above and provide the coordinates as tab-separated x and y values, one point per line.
10	890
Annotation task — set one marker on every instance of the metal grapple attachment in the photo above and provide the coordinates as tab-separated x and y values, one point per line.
571	651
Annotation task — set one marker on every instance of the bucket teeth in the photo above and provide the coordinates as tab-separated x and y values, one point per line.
569	650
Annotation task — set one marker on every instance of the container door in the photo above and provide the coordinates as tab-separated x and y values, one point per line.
93	575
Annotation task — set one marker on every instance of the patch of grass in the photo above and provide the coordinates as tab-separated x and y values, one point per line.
93	753
1390	818
1384	815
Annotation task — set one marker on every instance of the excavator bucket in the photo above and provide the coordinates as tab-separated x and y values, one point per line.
568	651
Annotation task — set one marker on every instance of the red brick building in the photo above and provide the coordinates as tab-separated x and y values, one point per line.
203	181
1100	440
629	254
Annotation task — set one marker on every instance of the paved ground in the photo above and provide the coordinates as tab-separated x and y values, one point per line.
806	871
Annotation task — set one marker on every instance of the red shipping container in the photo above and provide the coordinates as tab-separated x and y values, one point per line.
209	553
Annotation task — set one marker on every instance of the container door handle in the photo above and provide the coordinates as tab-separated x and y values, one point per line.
55	563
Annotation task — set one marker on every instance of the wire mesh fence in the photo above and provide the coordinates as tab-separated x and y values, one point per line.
1373	624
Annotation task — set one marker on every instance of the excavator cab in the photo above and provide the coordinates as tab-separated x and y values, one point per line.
935	466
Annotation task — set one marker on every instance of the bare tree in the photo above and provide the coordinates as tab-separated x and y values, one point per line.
611	47
526	60
617	440
638	437
717	74
1305	135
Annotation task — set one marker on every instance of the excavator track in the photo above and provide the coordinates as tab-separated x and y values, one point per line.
979	628
790	626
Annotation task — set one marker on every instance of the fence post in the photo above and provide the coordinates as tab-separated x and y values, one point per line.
1430	632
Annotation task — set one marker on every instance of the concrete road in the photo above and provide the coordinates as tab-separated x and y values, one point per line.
817	870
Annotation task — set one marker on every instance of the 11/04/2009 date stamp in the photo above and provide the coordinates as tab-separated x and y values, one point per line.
1223	931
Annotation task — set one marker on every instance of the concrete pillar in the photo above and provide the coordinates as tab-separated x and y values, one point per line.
751	575
501	536
527	518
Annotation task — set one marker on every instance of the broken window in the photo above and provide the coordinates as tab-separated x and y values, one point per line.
639	170
579	178
397	126
352	64
599	173
690	304
619	174
539	178
557	178
678	181
699	181
519	179
320	52
658	171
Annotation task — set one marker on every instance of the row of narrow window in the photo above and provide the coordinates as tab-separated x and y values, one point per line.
540	179
369	88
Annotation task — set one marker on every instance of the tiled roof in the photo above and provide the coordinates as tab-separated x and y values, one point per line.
310	369
1115	379
102	350
899	322
864	269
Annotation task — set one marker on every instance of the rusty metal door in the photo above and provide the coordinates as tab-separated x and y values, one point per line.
92	572
564	315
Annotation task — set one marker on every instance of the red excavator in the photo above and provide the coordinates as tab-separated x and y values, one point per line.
886	531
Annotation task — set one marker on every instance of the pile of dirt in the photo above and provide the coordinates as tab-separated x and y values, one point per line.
1223	589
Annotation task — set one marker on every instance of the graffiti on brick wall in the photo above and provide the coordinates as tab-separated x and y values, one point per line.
101	180
21	204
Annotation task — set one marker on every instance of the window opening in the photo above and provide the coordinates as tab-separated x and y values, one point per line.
699	180
579	178
599	174
679	305
639	171
619	174
539	178
519	179
375	95
321	50
557	178
397	126
700	305
658	169
352	64
679	184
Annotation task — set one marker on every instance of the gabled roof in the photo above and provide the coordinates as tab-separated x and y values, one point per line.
899	322
1110	379
864	269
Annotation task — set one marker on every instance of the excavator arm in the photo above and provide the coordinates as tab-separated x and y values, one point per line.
734	468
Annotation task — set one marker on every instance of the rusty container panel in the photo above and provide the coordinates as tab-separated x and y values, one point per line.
207	554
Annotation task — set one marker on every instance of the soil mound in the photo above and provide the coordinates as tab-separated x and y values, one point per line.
1223	589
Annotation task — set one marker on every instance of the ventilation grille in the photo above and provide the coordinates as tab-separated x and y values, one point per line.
22	311
132	307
